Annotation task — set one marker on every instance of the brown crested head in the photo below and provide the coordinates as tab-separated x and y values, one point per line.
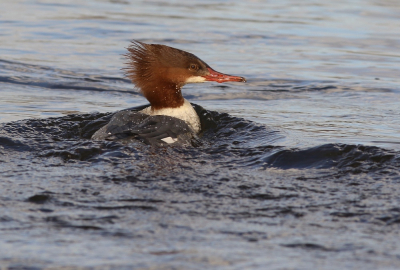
160	72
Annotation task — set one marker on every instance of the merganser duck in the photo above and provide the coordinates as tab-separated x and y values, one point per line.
160	72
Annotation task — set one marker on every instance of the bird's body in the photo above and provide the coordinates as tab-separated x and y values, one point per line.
160	72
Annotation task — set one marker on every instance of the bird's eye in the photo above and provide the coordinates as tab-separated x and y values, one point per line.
193	67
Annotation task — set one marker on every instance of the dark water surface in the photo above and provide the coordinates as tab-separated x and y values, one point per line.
297	169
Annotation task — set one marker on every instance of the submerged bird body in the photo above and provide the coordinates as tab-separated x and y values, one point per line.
160	72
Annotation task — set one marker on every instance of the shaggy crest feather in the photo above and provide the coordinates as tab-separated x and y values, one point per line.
140	58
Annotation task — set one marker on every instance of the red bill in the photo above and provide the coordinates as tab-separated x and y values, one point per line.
215	76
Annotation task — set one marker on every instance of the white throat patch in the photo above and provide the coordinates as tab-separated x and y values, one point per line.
186	113
195	79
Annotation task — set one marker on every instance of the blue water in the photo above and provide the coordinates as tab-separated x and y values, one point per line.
323	85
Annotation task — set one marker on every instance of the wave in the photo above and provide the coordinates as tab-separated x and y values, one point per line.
226	141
